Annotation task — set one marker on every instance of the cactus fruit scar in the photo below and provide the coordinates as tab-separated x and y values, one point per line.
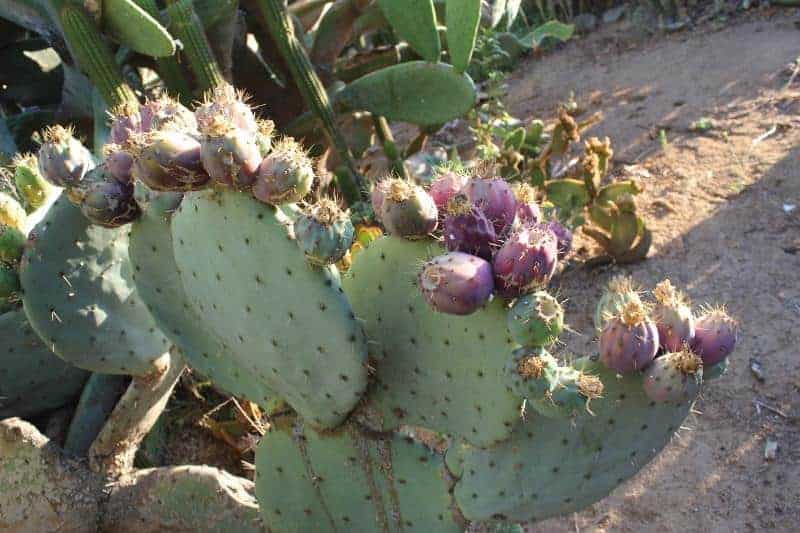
456	283
408	211
324	232
673	317
629	341
285	175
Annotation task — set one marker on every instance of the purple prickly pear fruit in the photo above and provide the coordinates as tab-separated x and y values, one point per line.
285	175
564	237
528	211
226	102
118	161
63	160
324	233
126	123
674	377
495	198
446	186
108	202
169	161
229	156
378	195
629	341
456	283
408	211
165	113
673	317
466	229
715	336
525	262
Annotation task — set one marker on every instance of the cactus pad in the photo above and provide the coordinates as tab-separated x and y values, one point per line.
553	466
32	379
347	481
285	322
80	298
439	371
158	282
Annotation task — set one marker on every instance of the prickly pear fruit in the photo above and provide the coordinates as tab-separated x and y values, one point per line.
165	113
118	161
536	320
446	186
466	229
525	262
9	287
528	211
29	181
408	211
496	199
563	236
126	122
109	202
12	243
226	102
11	213
674	377
618	293
63	160
629	341
264	136
715	336
169	161
456	283
229	155
533	372
324	233
285	175
378	195
673	317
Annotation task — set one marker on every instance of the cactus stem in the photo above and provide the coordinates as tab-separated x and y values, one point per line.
186	25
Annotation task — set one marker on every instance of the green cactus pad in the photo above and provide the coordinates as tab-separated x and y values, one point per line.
463	18
553	466
346	481
80	298
135	28
439	371
417	92
159	284
415	22
32	379
285	322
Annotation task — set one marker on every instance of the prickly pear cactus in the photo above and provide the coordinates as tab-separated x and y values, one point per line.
32	379
434	370
285	322
552	466
351	481
80	298
159	284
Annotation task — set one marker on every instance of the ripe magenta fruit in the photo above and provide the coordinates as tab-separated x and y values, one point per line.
525	262
629	342
456	283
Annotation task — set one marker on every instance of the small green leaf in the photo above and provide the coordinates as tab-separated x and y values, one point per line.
414	21
463	17
555	29
515	139
417	92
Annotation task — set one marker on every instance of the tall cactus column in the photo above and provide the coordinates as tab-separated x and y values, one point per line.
280	28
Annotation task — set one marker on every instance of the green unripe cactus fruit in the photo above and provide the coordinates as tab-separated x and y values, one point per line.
324	233
12	242
11	212
619	292
285	175
536	319
30	183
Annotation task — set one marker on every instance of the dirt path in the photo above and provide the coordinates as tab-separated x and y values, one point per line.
716	204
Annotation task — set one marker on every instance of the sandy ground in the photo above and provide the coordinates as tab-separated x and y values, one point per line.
716	204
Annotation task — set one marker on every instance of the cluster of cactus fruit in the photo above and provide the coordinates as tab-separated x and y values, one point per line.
221	258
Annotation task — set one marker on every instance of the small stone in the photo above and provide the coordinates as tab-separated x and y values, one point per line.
614	14
585	22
